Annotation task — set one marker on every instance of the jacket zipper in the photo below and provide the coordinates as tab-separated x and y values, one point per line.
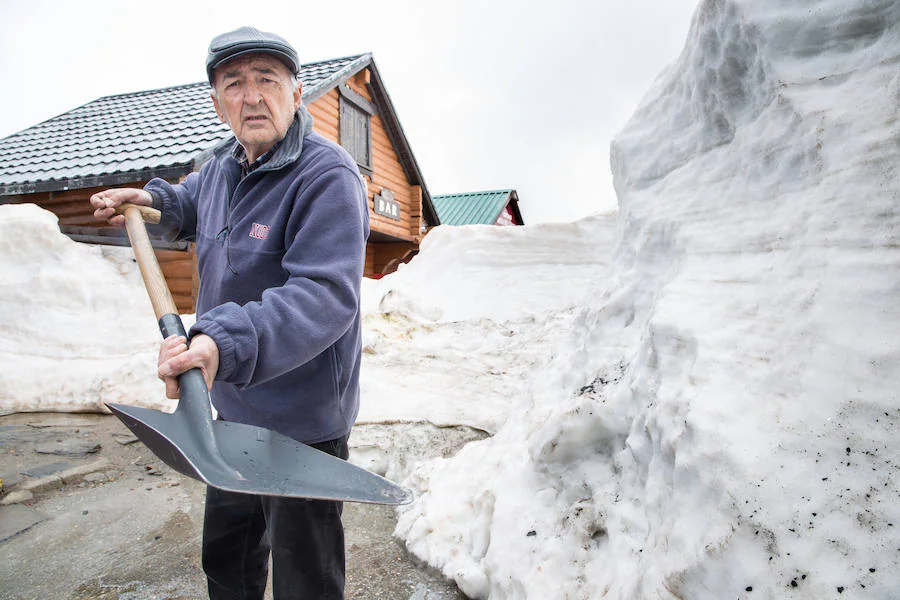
223	233
232	189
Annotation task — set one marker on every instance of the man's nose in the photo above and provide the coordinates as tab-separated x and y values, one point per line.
252	95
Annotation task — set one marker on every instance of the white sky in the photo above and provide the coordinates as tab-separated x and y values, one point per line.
491	95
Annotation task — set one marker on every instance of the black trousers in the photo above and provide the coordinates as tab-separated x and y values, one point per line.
305	538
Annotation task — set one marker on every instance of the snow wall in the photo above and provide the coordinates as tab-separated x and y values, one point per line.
721	420
76	326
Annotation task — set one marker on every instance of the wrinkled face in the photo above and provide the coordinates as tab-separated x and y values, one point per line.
256	97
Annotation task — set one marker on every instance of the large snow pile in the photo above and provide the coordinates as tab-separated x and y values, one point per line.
453	341
76	326
459	334
721	420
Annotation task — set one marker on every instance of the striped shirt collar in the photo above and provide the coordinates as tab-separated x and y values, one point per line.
240	155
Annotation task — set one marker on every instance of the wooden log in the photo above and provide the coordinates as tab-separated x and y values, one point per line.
180	286
390	180
370	259
77	221
386	158
330	98
324	121
323	125
394	182
389	227
415	211
382	140
70	209
327	116
327	131
39	199
384	151
390	177
181	269
184	303
171	255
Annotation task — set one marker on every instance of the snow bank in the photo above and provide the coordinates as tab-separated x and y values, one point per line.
76	326
720	421
498	273
457	336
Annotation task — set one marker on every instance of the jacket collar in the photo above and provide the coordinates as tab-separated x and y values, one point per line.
287	150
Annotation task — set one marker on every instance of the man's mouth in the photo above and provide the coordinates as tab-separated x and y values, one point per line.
255	118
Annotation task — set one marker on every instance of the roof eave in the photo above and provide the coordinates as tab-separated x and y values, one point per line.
72	183
311	94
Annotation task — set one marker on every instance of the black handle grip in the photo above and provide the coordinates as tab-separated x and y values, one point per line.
191	383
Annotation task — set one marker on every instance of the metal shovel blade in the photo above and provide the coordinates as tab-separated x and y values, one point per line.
254	460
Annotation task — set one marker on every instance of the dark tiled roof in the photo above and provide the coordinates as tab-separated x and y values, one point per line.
473	208
139	135
318	76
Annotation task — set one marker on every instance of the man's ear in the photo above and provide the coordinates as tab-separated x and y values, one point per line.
298	96
218	110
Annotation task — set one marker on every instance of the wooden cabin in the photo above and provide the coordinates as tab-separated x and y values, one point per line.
497	207
128	139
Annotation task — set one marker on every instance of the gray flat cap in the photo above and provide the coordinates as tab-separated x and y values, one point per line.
244	40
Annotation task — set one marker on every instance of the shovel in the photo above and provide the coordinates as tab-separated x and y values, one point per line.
225	455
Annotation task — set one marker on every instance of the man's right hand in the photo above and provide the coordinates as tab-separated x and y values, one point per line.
175	358
105	203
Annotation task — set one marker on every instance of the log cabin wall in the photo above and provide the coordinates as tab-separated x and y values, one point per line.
75	215
180	269
386	173
382	254
71	207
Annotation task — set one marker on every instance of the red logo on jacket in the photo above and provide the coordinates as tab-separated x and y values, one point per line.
259	232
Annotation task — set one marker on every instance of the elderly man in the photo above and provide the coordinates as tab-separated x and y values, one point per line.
280	219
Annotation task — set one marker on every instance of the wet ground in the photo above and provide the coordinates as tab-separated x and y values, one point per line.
96	516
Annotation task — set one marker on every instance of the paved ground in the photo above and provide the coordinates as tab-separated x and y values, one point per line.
97	517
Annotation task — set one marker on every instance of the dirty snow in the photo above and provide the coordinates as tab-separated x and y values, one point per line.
693	398
719	419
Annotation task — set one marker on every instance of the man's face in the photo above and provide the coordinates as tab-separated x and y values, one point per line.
256	98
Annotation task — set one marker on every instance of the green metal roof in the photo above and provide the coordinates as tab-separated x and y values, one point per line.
473	208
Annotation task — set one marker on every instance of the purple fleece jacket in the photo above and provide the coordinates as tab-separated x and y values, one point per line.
281	256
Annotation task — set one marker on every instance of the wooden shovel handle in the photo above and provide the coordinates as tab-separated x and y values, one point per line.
154	280
151	215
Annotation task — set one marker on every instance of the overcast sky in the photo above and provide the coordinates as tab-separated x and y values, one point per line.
491	94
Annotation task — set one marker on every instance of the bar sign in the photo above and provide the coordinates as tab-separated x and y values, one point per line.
386	206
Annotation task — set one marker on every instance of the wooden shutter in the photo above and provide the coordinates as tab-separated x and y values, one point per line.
355	133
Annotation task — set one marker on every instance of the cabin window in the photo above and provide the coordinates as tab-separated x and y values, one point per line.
356	134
